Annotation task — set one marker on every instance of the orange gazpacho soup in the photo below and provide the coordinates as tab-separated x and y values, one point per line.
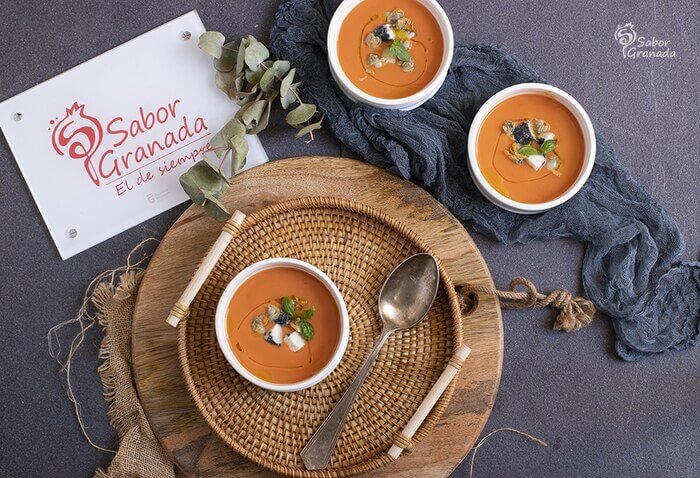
530	148
390	49
283	325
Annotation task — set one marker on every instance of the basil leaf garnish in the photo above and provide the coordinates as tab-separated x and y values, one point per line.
289	307
548	146
306	330
528	151
400	51
308	313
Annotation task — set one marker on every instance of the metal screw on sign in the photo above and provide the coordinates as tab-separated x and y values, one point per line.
17	116
186	35
72	233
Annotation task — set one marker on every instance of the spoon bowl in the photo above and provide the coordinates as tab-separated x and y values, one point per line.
404	301
409	292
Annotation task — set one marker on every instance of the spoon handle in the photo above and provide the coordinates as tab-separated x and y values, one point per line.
317	452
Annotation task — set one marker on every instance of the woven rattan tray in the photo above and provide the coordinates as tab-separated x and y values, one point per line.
357	246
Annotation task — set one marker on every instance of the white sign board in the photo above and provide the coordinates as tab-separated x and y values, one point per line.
102	145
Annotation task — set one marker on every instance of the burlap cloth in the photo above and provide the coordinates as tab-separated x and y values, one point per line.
140	454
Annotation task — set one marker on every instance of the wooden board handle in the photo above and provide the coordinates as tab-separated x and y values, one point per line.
181	307
403	440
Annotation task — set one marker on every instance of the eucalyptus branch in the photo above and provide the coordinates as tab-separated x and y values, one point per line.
298	100
245	72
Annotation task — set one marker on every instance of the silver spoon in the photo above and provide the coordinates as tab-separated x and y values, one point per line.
405	299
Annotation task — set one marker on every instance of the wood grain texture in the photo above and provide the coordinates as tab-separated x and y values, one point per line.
170	411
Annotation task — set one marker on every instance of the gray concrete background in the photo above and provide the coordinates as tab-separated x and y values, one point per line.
602	417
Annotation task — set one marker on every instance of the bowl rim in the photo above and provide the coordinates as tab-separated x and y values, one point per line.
586	129
428	91
222	333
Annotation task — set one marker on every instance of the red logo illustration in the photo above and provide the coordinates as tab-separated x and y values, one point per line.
79	135
112	149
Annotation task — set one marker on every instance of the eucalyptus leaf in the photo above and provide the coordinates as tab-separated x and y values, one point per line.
277	70
236	131
244	101
252	88
289	98
190	185
309	128
221	141
240	57
239	153
227	61
214	208
281	67
203	180
211	43
240	81
264	120
226	82
239	114
287	82
254	76
241	111
245	94
255	53
300	114
253	114
267	81
245	97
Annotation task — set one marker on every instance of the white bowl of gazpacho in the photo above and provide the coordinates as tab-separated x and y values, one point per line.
282	324
390	54
531	148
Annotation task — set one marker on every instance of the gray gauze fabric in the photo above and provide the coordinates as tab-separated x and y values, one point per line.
628	269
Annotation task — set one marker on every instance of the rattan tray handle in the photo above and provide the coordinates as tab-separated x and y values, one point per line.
403	440
181	307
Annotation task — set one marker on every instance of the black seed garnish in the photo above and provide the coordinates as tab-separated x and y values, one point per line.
283	318
522	133
382	32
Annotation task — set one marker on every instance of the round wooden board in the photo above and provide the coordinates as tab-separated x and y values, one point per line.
170	411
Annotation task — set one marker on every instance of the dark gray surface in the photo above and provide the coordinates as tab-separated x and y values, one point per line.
601	416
